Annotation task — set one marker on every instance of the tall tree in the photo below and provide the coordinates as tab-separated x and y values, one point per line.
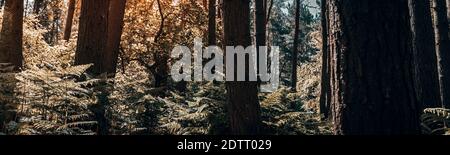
425	61
212	37
372	87
115	27
69	20
11	34
295	48
10	52
325	77
442	40
242	96
93	35
92	48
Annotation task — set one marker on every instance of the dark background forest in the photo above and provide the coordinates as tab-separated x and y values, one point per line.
102	67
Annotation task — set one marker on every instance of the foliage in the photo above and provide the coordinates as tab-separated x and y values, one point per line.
436	121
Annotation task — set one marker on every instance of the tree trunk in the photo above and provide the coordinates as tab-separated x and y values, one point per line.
212	38
115	27
92	48
11	34
295	48
10	55
325	78
242	97
69	20
92	35
441	31
425	61
372	83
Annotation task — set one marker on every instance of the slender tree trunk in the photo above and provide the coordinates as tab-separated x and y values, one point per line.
69	20
115	27
212	37
295	48
11	34
244	108
325	78
372	83
441	31
425	61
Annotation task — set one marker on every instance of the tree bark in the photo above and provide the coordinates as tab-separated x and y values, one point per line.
372	83
325	78
425	61
115	27
212	37
69	20
92	48
295	48
242	97
92	35
442	40
11	34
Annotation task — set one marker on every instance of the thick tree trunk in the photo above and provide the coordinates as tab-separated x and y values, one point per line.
69	20
295	48
115	27
372	83
10	54
11	34
212	37
325	78
441	31
92	48
425	61
92	35
244	108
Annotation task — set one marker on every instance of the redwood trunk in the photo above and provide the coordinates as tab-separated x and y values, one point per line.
11	34
115	27
372	83
69	20
242	97
92	35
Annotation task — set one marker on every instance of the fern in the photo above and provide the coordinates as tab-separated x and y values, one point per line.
436	121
